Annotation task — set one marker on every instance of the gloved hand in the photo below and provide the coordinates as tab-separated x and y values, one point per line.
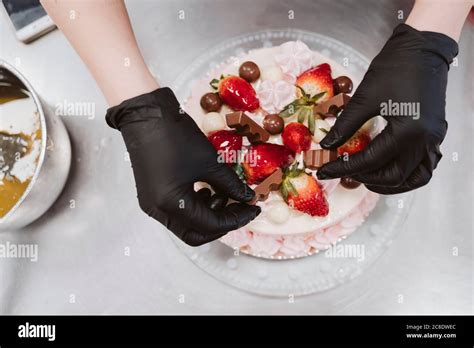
169	153
411	68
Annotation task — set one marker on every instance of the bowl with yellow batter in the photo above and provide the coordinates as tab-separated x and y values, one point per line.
35	152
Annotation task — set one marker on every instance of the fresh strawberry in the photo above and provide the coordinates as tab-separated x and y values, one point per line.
237	93
296	137
302	192
357	143
261	160
317	80
228	144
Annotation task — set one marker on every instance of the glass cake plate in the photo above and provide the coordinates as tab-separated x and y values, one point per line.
326	269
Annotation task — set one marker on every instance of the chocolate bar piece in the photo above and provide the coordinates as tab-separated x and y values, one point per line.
314	159
244	125
271	183
332	106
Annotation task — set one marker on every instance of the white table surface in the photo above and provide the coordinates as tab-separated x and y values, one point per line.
81	249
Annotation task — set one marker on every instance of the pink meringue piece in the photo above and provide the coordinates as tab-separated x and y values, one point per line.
274	96
237	239
264	245
294	58
295	246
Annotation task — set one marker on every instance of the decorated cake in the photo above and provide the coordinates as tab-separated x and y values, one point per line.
265	112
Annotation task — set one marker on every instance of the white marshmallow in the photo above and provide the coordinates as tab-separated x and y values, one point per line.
213	121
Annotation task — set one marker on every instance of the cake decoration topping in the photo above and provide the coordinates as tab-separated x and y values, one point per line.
332	106
227	144
273	124
356	143
302	192
294	58
244	125
296	137
278	212
317	80
249	71
349	183
261	160
237	93
274	96
314	159
212	122
302	108
271	183
211	102
342	84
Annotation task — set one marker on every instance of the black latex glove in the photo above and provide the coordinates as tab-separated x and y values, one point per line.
169	153
412	67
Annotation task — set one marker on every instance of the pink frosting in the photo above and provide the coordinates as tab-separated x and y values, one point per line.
265	245
300	245
238	238
295	246
294	58
274	96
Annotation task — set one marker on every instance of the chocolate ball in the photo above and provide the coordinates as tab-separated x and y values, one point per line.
349	183
273	124
249	71
342	84
211	102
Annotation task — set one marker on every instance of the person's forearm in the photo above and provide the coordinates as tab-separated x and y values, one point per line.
441	16
101	33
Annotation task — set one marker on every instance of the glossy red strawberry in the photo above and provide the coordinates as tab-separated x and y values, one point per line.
261	160
317	80
237	93
296	137
302	192
227	144
358	142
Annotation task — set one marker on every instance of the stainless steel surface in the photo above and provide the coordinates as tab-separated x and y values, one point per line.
99	254
51	172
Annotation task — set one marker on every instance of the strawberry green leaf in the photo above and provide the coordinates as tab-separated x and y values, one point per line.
311	123
301	114
324	130
240	171
214	83
318	96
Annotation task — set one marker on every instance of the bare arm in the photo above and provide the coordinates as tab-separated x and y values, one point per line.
101	33
441	16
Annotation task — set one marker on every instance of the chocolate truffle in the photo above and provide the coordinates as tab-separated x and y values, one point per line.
211	102
249	71
273	124
342	84
349	183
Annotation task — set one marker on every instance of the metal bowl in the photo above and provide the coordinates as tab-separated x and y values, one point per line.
53	165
